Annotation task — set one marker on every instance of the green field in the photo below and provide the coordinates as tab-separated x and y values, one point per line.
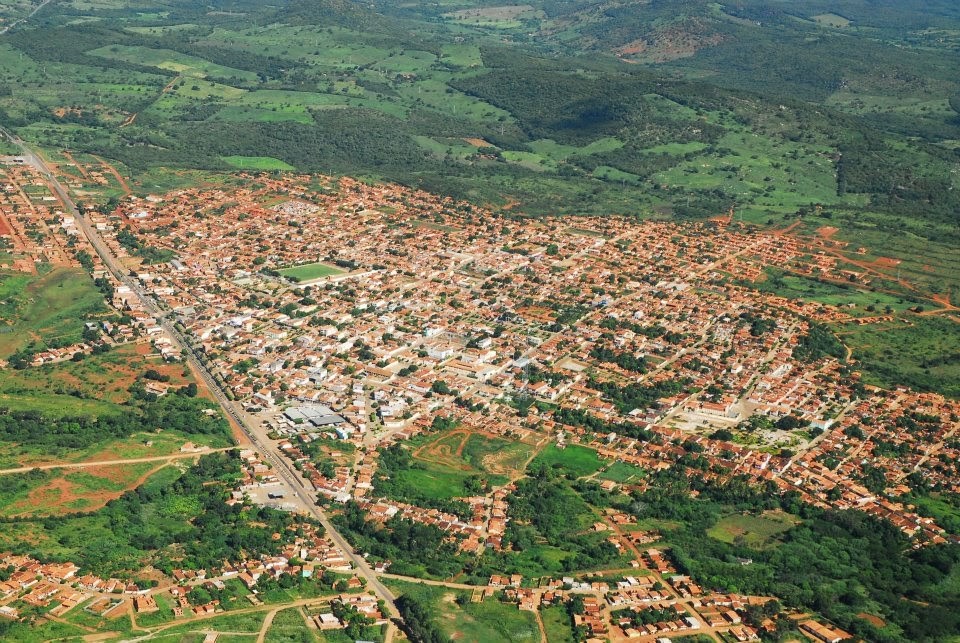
443	466
58	491
557	624
854	301
264	163
48	310
922	352
172	61
288	625
576	460
310	271
483	622
623	473
757	532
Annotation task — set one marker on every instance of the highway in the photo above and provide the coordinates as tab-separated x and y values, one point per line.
271	453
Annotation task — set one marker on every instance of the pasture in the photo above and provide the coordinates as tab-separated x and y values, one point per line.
48	309
445	464
758	532
574	459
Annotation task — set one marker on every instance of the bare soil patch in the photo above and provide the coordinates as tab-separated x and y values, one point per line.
887	262
825	232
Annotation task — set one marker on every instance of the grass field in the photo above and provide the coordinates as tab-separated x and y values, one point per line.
578	460
48	309
852	300
556	624
288	626
250	622
623	473
445	463
483	622
758	532
264	163
923	352
172	61
60	491
310	271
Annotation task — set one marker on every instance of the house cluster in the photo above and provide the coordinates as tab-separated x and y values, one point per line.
58	587
420	299
33	226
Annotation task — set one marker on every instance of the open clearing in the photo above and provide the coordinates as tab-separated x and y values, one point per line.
265	163
483	622
55	493
758	532
48	309
578	460
445	463
463	450
831	20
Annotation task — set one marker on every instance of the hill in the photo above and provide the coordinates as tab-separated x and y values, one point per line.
779	110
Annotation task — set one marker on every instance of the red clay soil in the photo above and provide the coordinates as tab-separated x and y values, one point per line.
56	496
887	262
827	231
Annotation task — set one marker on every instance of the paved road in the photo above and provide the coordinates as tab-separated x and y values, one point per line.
281	466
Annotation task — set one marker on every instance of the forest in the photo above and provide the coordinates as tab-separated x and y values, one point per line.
838	563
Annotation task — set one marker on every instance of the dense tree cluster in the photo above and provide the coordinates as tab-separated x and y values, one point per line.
839	563
414	548
543	508
818	342
173	412
417	622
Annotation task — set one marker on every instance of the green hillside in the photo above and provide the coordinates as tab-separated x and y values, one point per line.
670	109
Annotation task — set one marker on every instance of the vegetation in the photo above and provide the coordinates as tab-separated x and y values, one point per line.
174	520
414	548
310	271
58	434
573	459
51	308
818	342
923	354
461	619
838	563
549	524
401	477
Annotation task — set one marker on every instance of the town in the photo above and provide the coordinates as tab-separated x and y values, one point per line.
343	320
